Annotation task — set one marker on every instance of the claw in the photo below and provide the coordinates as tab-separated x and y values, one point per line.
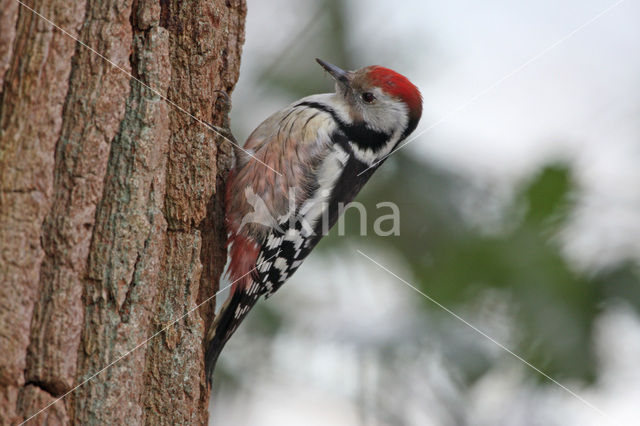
226	101
224	94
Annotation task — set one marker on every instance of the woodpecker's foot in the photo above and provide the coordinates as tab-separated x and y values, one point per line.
224	132
223	102
222	107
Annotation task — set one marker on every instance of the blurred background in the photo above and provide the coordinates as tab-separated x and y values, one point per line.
520	212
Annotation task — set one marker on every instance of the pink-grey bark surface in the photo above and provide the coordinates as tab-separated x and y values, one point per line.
111	222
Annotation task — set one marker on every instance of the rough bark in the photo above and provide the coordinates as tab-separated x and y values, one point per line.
110	215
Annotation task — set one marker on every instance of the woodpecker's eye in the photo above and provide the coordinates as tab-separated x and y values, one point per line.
368	97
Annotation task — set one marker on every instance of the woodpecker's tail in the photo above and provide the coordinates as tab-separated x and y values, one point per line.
225	324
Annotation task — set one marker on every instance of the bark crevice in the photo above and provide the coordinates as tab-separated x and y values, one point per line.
44	388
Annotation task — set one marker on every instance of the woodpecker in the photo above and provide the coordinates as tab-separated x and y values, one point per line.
314	157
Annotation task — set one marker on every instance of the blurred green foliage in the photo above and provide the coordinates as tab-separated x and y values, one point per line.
456	263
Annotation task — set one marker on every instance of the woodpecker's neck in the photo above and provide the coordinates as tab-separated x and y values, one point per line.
370	138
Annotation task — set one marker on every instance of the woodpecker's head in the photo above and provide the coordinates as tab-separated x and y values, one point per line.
378	98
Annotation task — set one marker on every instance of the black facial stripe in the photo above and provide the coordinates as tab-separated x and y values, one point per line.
357	133
341	139
411	126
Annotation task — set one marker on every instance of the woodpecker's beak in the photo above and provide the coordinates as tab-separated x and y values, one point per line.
340	75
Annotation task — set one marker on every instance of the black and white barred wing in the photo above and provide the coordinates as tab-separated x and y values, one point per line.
280	256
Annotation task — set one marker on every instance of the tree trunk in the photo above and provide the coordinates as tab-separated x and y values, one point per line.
110	221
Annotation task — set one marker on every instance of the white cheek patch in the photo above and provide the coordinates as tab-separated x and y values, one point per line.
389	117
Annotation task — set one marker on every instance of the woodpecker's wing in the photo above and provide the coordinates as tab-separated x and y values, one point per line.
320	162
297	151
